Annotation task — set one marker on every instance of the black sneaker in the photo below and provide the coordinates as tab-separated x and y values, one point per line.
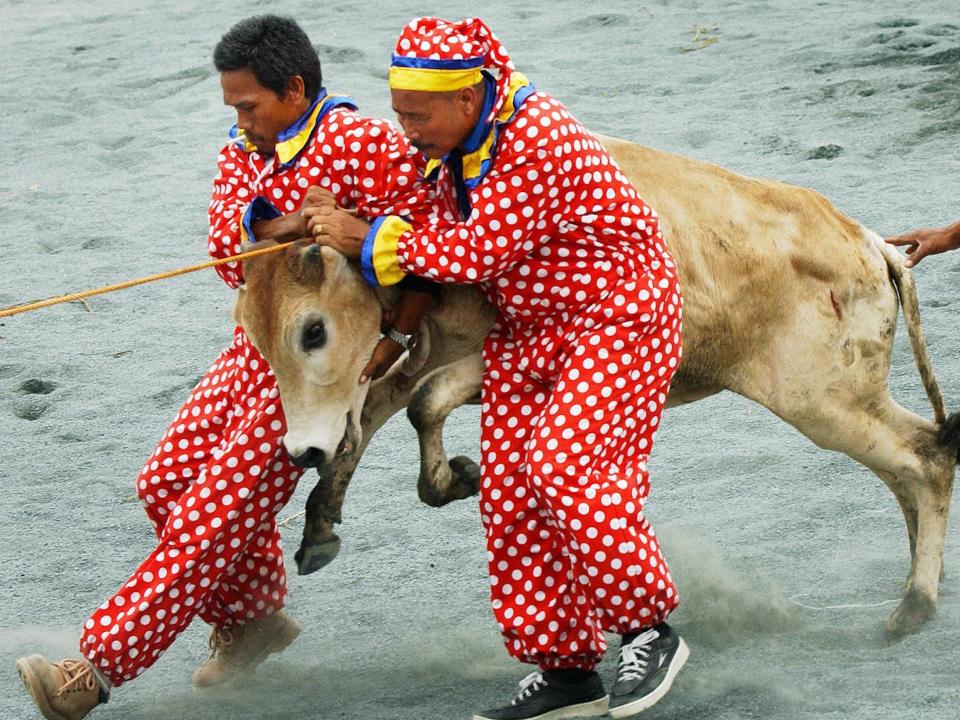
543	696
649	661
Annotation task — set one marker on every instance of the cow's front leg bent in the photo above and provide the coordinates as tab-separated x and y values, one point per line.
320	544
458	383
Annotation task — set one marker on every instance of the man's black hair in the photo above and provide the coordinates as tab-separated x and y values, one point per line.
274	49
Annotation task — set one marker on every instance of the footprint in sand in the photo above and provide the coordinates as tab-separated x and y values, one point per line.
32	406
825	152
334	54
591	22
35	386
947	57
941	30
30	409
898	23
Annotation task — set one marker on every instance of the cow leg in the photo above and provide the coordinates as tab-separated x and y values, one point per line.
320	544
901	448
434	399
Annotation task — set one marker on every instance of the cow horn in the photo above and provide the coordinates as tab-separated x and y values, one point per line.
311	265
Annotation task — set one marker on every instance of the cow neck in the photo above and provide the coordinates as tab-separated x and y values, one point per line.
468	165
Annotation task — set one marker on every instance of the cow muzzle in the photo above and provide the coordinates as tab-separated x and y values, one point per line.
314	457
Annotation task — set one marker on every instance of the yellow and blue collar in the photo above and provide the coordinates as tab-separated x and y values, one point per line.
292	141
480	147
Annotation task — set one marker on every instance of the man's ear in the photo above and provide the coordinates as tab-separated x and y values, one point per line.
296	89
469	100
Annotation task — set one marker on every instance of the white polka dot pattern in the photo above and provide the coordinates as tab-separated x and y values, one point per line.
578	367
220	474
366	163
211	489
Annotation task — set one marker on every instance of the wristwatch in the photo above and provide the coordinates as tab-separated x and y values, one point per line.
407	342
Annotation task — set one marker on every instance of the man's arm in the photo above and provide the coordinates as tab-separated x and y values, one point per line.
411	307
230	205
282	229
512	216
928	241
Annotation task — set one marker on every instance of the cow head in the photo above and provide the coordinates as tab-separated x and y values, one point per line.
316	322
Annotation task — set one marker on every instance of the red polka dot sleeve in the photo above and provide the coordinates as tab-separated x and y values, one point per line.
373	168
231	193
510	219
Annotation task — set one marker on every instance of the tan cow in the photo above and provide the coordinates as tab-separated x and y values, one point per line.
787	302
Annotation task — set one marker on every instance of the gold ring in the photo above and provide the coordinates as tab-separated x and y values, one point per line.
319	229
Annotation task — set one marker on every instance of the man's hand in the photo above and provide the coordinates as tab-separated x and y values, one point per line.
336	227
318	197
927	241
384	356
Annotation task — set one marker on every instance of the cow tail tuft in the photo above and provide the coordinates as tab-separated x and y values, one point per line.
949	434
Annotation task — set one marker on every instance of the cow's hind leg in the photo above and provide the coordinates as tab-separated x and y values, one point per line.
442	481
902	449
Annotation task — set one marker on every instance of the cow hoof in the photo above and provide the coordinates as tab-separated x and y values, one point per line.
914	610
458	480
311	558
467	477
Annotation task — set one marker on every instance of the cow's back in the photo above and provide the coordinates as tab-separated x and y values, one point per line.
758	260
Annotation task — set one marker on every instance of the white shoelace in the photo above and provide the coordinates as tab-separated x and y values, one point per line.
529	685
635	656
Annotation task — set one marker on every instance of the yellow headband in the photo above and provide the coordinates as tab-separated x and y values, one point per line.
433	80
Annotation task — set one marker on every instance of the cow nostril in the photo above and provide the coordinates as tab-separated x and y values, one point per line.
312	458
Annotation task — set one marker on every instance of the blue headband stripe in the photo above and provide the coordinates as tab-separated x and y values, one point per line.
431	64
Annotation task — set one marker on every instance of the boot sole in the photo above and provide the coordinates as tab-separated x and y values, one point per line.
647	702
280	643
33	685
594	708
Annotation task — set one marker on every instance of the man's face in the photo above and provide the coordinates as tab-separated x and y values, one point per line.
261	113
434	122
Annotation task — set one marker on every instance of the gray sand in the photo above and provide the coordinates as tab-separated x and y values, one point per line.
789	558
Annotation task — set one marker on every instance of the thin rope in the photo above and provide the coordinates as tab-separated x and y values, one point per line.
845	606
27	307
287	521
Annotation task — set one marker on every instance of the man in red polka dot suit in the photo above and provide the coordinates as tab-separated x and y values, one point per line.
577	367
220	474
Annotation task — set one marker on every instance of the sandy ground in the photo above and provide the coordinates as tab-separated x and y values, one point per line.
112	118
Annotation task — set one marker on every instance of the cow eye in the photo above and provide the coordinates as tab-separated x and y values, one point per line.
314	336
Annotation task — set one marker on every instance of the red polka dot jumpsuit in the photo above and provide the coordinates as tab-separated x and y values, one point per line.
218	477
577	368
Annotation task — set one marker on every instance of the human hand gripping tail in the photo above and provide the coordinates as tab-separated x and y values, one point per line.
927	241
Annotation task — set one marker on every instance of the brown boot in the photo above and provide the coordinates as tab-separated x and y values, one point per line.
65	690
235	652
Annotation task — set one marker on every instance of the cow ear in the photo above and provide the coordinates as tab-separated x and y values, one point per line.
247	244
238	304
249	263
334	260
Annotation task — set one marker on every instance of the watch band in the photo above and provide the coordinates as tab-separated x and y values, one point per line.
407	342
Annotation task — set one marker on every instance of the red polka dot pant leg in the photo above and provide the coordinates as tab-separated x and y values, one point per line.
212	490
564	485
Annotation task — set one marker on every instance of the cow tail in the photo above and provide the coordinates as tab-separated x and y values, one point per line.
902	280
